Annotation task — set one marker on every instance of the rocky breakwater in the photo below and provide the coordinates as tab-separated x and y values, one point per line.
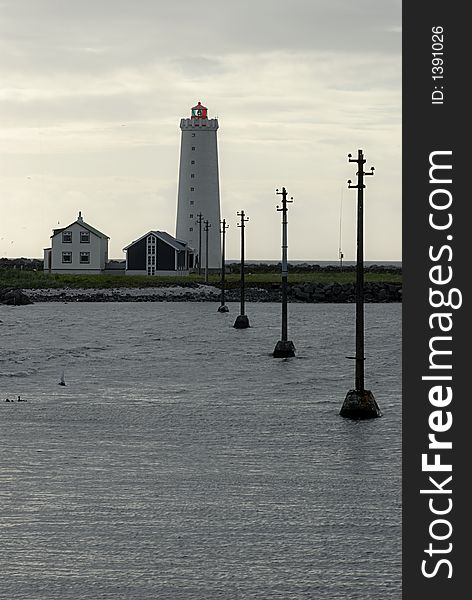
196	293
14	297
320	292
304	292
336	292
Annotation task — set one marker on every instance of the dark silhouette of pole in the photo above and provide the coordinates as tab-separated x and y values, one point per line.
242	226
360	358
284	348
207	229
241	320
200	221
223	308
360	403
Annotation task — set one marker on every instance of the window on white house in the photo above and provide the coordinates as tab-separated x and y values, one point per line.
191	216
192	189
67	237
193	147
85	258
67	257
192	202
84	237
192	175
190	229
192	162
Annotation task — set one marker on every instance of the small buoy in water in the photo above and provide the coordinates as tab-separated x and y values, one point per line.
63	381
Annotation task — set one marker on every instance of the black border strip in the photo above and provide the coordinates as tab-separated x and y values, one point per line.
442	128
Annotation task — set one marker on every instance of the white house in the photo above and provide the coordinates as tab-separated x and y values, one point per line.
77	248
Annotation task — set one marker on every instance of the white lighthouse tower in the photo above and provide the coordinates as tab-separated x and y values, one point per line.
199	189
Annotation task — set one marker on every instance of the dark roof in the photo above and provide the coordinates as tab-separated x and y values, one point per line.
172	241
165	237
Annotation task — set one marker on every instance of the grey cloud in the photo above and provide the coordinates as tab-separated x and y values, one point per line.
199	66
96	35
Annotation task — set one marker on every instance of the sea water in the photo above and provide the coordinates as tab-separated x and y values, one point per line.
182	461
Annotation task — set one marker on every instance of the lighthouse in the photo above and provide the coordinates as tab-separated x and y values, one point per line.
199	190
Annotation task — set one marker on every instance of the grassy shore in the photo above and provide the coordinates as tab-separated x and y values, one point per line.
22	279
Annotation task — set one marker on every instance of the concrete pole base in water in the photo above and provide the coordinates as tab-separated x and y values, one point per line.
284	349
223	308
241	322
360	405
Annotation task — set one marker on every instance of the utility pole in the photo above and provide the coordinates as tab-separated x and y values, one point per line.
207	229
223	308
199	222
242	322
360	403
284	348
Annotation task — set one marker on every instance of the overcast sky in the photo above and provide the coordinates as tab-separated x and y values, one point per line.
93	92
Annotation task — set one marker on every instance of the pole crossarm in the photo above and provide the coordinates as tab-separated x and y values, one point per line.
199	220
360	160
283	193
244	219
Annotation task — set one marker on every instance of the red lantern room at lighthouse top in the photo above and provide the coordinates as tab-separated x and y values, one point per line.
199	112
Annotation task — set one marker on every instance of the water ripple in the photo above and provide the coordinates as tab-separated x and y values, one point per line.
181	461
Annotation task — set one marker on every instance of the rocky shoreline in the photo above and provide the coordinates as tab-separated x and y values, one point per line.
305	292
